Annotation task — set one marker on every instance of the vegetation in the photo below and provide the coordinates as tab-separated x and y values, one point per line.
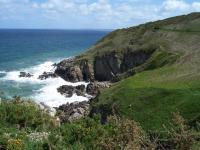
178	34
168	81
86	133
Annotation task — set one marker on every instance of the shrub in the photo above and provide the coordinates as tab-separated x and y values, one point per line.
24	115
180	133
128	135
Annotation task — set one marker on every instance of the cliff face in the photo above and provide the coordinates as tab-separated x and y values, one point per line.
69	71
109	66
104	68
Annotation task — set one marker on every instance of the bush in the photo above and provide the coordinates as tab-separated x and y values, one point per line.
24	115
128	135
180	133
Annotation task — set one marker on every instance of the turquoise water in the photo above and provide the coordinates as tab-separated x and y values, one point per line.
35	51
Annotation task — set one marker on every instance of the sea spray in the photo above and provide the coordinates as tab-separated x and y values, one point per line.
47	94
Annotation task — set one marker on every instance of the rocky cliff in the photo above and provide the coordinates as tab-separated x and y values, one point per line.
72	71
104	68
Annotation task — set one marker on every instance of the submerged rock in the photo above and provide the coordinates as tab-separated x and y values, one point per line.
25	75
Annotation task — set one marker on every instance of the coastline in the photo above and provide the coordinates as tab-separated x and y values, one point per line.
47	93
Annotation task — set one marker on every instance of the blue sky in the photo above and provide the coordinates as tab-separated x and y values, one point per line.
89	14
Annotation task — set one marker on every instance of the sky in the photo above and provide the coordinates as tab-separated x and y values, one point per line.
89	14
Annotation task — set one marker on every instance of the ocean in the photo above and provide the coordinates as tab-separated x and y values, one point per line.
35	51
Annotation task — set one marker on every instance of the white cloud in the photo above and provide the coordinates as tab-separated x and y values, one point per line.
97	13
196	6
173	5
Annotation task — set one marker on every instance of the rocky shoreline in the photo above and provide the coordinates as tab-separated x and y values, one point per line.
71	73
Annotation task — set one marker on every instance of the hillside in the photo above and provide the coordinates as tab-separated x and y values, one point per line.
149	46
156	64
167	81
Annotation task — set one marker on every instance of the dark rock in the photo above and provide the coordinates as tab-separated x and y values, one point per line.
92	89
87	71
80	90
133	59
47	75
74	72
73	111
25	75
106	67
109	66
66	90
54	65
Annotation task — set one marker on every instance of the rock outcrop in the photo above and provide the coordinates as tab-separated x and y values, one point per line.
66	90
73	111
110	65
69	90
47	75
103	68
80	90
92	89
70	71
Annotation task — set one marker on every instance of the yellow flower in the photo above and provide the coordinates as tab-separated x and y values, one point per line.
15	144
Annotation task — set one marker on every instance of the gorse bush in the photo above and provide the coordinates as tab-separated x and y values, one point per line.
181	135
128	135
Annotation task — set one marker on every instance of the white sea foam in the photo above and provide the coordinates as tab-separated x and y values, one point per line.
3	72
48	93
35	71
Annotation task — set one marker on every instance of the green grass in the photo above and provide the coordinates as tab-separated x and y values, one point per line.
151	96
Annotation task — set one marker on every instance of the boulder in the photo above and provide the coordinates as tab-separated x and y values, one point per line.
25	75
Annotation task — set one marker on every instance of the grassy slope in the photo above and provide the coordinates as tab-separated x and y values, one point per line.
151	96
171	33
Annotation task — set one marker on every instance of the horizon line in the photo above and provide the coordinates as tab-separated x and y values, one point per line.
54	29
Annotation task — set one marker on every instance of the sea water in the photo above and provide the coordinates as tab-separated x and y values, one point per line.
35	51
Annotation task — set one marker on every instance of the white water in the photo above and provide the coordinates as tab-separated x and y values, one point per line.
48	93
3	72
